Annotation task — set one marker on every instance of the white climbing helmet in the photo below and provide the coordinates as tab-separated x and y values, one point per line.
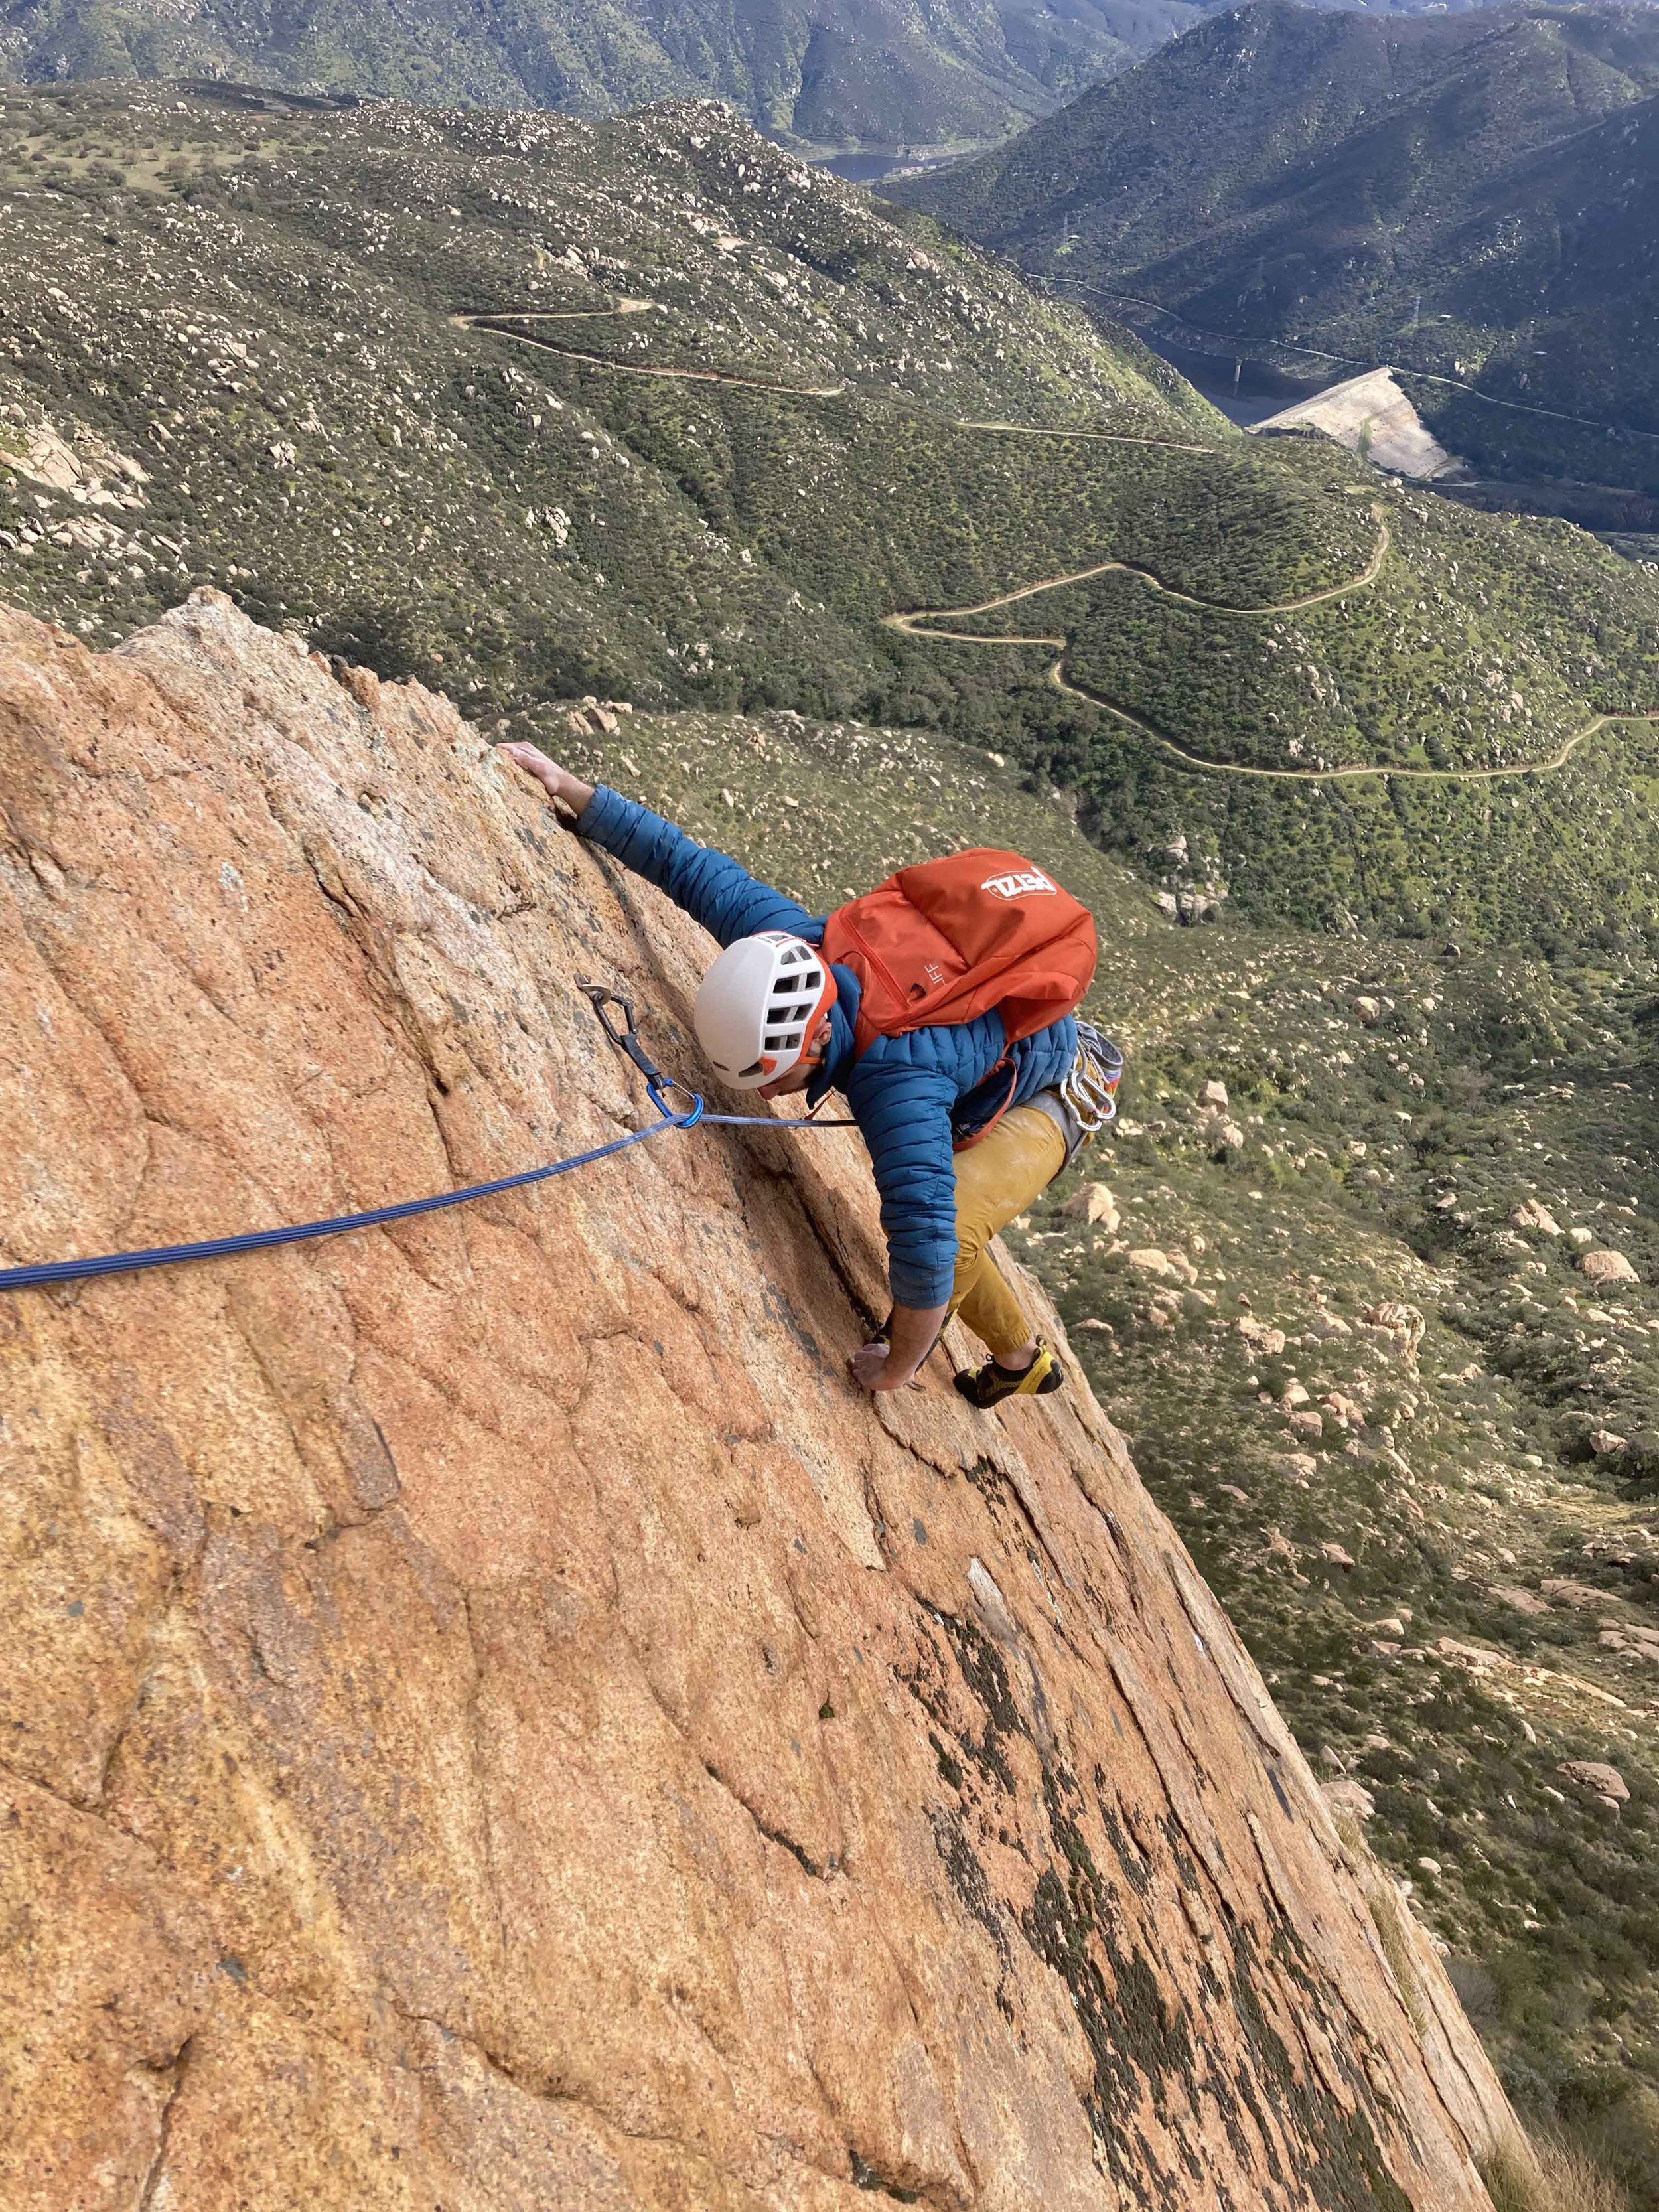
759	1005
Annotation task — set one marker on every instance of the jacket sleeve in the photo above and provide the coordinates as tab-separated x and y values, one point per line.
713	888
905	1114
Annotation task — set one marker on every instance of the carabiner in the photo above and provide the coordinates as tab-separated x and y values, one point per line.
625	1040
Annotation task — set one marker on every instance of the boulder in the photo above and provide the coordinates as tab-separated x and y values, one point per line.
1346	1794
1520	1600
1529	1214
1605	1442
1147	1260
1212	1093
1561	1589
1594	1775
1092	1203
1335	1555
1296	1466
1369	1010
493	1716
1603	1265
1400	1325
1249	1328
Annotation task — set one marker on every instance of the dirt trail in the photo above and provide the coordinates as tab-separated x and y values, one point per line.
908	622
496	327
911	623
1562	753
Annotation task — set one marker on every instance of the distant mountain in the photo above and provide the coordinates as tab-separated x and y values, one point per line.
1472	196
820	75
825	73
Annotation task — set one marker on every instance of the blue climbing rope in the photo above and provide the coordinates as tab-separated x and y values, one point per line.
46	1272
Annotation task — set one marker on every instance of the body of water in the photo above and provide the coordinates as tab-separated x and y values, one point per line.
1246	391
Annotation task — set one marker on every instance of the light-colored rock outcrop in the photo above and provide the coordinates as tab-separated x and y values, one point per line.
492	1717
1370	416
1607	1266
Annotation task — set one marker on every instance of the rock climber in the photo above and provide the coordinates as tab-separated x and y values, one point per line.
777	1016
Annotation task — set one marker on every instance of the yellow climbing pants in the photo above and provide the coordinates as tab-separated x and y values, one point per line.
995	1181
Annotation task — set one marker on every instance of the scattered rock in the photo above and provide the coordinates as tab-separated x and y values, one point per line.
1606	1266
1347	1795
1529	1214
1335	1555
1256	1333
1634	1640
1519	1601
1147	1260
1093	1202
1404	1325
1604	1782
1294	1394
1561	1591
1308	1424
1429	1865
1296	1466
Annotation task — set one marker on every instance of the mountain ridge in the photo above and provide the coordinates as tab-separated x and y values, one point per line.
1455	195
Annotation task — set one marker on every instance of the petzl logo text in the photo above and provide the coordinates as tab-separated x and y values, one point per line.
1017	886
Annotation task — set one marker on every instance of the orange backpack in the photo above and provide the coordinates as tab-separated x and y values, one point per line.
950	939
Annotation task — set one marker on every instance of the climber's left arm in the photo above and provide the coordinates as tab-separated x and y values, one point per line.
712	887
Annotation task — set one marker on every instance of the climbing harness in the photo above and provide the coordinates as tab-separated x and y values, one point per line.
626	1039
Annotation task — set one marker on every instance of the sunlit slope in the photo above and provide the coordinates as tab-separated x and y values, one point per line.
878	72
651	411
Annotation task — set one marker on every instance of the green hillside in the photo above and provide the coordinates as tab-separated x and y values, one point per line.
724	418
885	75
1471	196
878	73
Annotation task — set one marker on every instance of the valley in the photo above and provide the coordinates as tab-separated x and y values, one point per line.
1464	197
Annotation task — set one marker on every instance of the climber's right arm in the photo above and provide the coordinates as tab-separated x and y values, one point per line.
713	889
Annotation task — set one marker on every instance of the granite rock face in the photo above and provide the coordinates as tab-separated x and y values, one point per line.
492	1717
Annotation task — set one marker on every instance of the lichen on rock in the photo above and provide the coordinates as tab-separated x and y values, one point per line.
493	1716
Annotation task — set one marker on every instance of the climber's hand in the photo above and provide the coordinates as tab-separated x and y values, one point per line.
911	1331
568	791
873	1368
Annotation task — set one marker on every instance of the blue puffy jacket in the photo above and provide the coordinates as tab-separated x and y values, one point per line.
912	1095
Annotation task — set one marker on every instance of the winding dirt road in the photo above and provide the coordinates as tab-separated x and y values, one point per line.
919	622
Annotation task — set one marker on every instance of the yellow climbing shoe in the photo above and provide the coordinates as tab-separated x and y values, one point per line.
989	1385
